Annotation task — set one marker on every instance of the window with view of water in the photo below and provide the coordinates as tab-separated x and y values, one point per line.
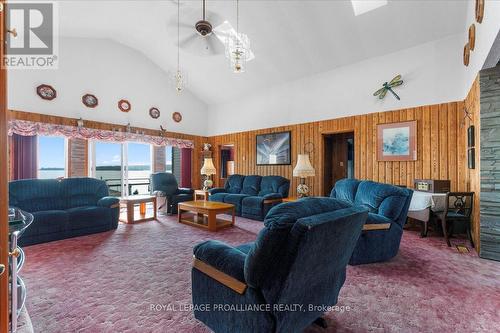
51	157
139	167
168	159
108	165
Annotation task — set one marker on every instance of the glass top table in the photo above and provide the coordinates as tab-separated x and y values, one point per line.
19	220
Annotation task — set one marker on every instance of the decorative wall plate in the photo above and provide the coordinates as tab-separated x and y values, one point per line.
154	113
177	117
90	100
466	54
479	11
46	92
472	36
124	105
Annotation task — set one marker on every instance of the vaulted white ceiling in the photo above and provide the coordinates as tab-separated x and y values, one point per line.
291	39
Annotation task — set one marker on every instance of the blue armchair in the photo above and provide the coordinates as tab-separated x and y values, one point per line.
388	210
279	281
253	196
164	184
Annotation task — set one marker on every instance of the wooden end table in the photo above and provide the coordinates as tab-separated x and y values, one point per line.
205	214
290	199
131	202
201	193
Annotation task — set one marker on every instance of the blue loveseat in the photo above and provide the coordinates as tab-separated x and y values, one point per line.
285	279
64	208
252	196
387	205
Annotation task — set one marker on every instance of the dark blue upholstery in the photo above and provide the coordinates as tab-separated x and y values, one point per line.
164	184
64	208
281	268
253	196
386	204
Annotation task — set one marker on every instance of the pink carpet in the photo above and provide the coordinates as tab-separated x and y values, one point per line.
109	281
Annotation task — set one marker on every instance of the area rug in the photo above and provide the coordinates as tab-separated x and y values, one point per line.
137	279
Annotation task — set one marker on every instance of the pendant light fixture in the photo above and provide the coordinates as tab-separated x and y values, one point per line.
238	46
179	78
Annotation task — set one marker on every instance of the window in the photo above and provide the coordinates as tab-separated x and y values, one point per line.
168	159
51	157
107	165
139	167
124	166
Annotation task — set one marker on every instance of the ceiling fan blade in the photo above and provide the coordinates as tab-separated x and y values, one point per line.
188	41
213	46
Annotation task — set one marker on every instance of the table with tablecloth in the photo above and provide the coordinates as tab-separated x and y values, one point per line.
423	204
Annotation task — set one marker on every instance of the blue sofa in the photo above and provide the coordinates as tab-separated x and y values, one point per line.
387	204
253	196
64	208
266	281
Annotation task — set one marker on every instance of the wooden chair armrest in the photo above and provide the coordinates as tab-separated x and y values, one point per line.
116	205
376	226
219	276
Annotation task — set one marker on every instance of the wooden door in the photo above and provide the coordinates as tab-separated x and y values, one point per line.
4	227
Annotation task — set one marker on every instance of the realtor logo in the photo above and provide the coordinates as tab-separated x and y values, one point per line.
32	41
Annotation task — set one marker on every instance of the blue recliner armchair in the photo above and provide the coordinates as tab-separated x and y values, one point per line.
388	207
164	184
253	196
279	283
64	208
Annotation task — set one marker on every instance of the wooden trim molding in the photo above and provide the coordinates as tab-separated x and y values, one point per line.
376	226
4	201
219	276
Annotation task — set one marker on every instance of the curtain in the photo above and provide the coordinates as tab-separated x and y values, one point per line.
24	164
186	167
27	128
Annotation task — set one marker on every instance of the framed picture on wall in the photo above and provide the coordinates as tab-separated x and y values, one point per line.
397	141
273	149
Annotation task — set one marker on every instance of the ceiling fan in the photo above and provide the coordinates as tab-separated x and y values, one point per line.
201	39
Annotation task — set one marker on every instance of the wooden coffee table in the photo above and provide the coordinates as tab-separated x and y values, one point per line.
131	202
205	214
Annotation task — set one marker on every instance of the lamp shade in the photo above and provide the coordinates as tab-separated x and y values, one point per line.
208	168
303	168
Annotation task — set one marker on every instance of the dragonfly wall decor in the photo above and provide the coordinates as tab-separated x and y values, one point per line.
388	87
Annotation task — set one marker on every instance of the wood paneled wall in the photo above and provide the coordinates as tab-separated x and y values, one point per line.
473	105
441	148
197	140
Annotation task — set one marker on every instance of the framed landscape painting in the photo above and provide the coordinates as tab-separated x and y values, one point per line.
397	141
273	148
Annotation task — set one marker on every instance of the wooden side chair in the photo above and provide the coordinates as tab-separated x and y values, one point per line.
458	208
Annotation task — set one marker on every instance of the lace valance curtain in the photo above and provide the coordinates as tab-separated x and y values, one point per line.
30	128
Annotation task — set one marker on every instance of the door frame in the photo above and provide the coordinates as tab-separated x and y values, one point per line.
322	153
4	174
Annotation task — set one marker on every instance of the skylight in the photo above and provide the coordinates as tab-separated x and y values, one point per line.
365	6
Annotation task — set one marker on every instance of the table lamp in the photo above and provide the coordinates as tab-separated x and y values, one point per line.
303	169
208	169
